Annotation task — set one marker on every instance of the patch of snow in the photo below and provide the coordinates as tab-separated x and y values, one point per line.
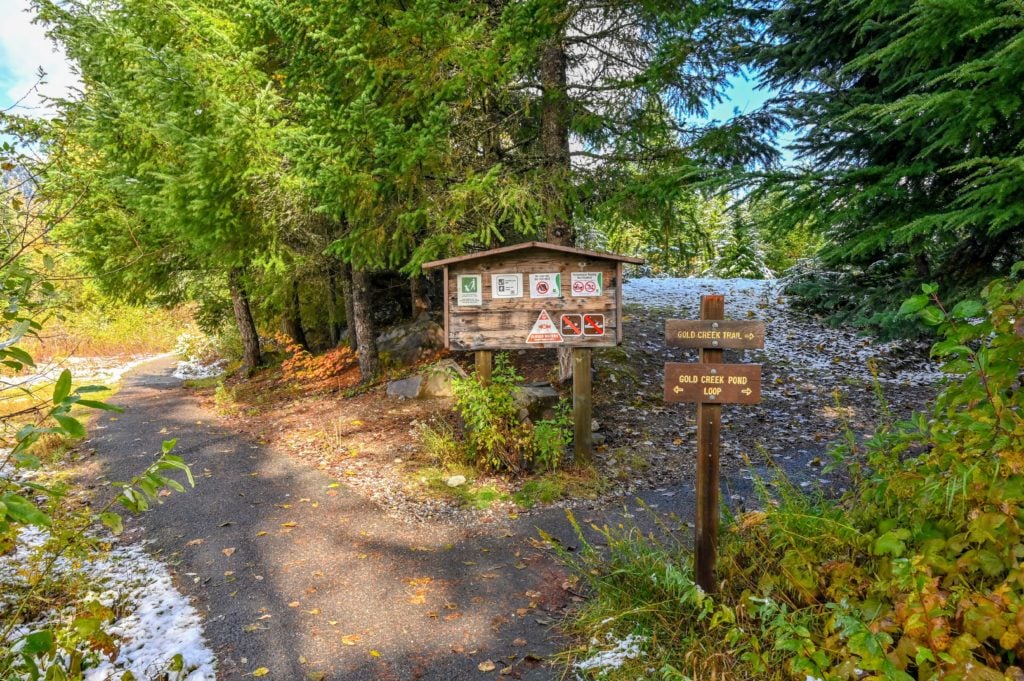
629	648
194	369
159	622
793	338
84	370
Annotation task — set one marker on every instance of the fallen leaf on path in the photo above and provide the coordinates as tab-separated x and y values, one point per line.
226	523
261	533
228	551
519	642
262	671
374	653
294	604
486	666
350	639
314	611
195	542
264	617
290	523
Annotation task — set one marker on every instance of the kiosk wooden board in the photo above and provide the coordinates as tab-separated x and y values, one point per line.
536	295
533	295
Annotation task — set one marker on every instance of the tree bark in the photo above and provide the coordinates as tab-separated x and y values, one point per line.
350	308
293	318
554	134
251	357
333	321
420	298
363	317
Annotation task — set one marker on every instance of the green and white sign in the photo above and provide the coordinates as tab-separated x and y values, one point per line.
470	290
587	284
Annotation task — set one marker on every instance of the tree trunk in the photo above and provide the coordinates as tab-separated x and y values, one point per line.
554	134
554	137
420	299
333	322
350	308
251	357
363	318
293	318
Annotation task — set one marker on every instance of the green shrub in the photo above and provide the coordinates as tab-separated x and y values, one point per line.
914	575
497	438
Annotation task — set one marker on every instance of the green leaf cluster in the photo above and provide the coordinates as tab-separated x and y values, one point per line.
908	126
915	574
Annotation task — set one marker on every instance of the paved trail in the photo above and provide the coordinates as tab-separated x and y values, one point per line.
304	577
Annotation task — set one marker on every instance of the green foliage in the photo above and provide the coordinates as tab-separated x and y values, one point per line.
915	575
907	116
49	628
740	253
497	437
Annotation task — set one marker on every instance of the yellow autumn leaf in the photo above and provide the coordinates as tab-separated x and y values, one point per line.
350	639
374	653
262	671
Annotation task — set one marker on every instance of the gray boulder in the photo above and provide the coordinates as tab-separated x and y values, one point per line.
406	388
434	381
406	343
537	400
437	379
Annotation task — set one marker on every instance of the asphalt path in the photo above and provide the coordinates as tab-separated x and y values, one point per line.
302	576
298	574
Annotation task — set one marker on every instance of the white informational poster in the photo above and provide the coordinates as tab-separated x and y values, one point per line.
587	283
506	286
546	285
470	291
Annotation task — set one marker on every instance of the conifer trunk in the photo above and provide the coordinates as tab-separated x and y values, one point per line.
363	318
554	135
251	357
350	309
333	321
293	318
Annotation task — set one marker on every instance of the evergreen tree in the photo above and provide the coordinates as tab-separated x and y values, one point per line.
909	121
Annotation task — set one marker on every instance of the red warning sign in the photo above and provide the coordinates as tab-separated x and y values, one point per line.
544	330
572	325
593	325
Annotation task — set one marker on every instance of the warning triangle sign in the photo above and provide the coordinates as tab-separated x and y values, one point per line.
544	330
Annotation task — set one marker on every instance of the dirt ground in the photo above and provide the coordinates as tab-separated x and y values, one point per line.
818	385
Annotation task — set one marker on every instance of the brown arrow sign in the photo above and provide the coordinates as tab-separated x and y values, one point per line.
724	334
713	383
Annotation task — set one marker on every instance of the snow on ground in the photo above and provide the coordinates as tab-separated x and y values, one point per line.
193	369
629	648
84	370
159	622
793	338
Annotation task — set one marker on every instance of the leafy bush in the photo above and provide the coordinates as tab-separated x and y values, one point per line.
914	575
497	438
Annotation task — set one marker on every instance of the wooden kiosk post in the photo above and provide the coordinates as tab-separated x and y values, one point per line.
532	296
710	384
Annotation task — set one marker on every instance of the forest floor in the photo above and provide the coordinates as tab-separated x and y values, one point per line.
321	542
818	383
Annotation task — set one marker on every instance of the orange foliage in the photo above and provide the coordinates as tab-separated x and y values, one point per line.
335	369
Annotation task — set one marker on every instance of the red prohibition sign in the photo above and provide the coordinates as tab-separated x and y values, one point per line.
595	323
542	287
577	286
591	287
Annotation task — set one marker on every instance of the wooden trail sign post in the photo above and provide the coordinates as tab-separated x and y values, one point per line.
536	295
710	384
